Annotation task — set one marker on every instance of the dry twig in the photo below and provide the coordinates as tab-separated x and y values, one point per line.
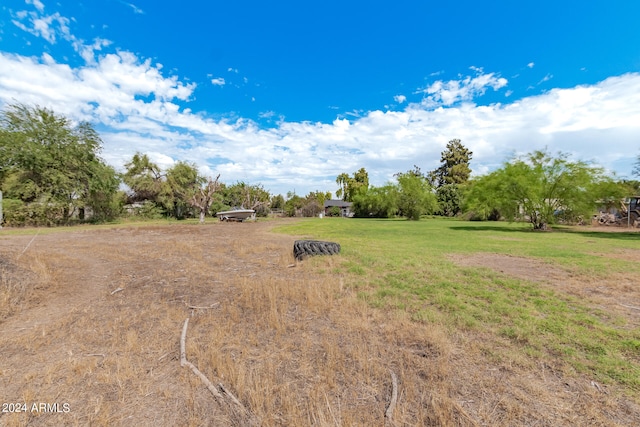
195	307
394	397
205	380
597	387
28	244
185	362
629	306
163	356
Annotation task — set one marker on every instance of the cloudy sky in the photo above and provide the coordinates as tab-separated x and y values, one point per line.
290	94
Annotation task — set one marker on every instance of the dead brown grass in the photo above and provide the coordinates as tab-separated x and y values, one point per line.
294	345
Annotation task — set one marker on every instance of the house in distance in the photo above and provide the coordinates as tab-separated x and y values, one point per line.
337	208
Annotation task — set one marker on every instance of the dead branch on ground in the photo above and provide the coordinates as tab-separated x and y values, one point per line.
28	244
633	307
205	380
394	398
185	362
196	307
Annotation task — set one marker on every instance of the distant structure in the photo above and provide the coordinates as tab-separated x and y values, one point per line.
345	207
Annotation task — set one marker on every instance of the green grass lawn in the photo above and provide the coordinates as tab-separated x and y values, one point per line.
405	265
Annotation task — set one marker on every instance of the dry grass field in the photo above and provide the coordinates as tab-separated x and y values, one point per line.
91	321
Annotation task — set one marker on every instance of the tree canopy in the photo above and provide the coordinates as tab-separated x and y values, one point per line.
454	165
411	196
182	181
415	197
450	177
350	186
539	187
247	196
377	202
144	179
51	168
308	206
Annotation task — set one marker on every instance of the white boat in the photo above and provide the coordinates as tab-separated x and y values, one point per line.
236	215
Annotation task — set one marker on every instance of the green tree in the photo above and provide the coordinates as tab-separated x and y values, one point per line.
538	186
377	202
277	202
247	196
636	167
454	165
350	186
144	179
450	177
53	167
632	185
415	196
103	197
182	180
313	204
449	198
294	204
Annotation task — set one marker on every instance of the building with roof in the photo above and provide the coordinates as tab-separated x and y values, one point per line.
345	207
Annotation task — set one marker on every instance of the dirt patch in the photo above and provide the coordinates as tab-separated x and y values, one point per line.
522	268
98	341
623	254
617	294
603	229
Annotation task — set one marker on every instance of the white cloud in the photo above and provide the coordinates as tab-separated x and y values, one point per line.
531	64
267	115
88	52
450	92
135	8
400	99
54	27
49	27
218	81
37	3
546	78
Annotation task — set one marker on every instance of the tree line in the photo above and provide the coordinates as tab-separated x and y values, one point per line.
413	193
538	187
51	173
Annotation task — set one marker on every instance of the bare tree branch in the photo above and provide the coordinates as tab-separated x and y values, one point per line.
203	197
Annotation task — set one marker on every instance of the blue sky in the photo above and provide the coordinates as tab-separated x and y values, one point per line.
290	94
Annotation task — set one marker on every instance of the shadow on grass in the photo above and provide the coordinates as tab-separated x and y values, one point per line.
492	228
617	235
